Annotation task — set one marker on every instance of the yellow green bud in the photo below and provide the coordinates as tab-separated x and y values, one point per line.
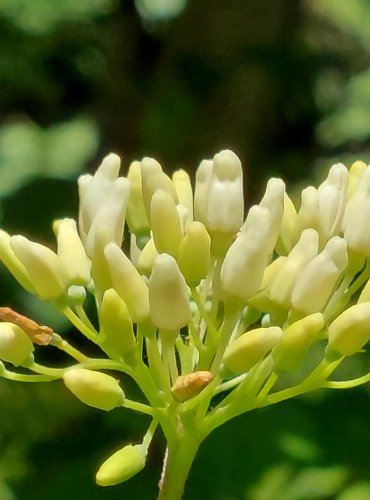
195	253
285	240
45	268
165	223
94	388
15	345
184	191
168	295
356	170
250	348
296	341
152	179
13	264
72	252
128	283
117	334
122	465
137	219
350	331
146	258
273	199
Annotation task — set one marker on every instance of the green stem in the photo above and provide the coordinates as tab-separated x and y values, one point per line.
177	464
79	324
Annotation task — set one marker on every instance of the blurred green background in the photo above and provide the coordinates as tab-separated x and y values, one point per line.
286	85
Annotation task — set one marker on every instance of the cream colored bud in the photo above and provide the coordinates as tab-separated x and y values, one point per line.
137	219
122	465
93	388
71	251
246	259
250	348
357	214
13	264
332	200
117	334
165	223
168	295
302	253
15	345
147	257
110	216
201	193
184	191
316	282
288	221
355	172
195	253
350	331
225	207
152	179
128	283
46	270
95	190
273	199
309	213
296	341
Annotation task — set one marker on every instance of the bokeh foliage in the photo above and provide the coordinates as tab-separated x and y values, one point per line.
287	86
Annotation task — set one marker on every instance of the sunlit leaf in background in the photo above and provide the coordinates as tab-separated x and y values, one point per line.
42	16
27	151
155	10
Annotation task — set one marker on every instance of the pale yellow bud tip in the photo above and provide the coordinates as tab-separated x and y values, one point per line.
121	466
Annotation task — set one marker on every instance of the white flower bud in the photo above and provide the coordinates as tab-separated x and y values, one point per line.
302	253
316	282
246	259
168	295
184	191
309	213
46	270
137	219
13	264
273	199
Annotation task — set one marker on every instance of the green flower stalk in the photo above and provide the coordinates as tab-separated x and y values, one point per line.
198	302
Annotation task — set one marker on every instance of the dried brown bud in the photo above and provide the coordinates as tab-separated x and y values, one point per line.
187	386
39	334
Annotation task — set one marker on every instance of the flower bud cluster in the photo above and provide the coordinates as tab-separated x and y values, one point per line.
199	298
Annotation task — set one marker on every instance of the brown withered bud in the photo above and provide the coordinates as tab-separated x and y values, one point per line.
38	334
187	386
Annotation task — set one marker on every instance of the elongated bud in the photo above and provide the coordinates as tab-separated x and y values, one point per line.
288	221
15	345
350	331
218	201
71	251
250	348
128	283
261	300
356	215
168	295
273	199
332	200
302	253
191	384
117	334
152	179
309	213
195	253
13	264
48	275
94	388
147	257
184	191
296	341
355	172
122	465
246	259
165	223
137	219
317	280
